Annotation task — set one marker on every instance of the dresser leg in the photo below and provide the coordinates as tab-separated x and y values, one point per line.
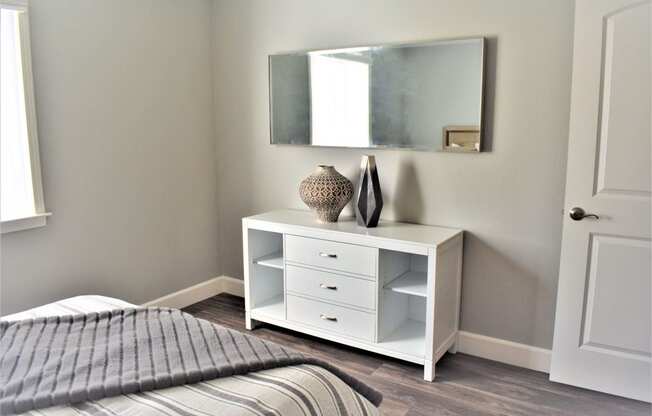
429	370
249	323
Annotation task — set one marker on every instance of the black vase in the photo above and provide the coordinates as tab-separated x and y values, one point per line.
369	199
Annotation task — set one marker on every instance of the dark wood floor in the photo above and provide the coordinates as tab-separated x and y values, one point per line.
464	385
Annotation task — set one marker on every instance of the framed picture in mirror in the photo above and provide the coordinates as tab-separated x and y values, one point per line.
461	139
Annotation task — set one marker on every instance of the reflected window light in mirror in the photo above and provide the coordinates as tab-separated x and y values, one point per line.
339	86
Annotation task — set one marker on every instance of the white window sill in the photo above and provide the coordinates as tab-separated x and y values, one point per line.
36	220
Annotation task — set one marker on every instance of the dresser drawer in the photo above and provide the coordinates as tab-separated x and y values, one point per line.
354	324
331	286
330	254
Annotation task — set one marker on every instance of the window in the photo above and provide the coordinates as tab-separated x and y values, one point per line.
21	194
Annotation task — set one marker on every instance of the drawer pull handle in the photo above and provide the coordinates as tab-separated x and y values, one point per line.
323	286
328	255
328	318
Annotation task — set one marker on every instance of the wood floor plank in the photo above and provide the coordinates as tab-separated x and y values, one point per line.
465	385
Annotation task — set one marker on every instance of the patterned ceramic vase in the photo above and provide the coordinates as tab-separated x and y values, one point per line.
326	192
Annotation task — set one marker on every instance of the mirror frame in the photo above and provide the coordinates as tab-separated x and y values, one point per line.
432	42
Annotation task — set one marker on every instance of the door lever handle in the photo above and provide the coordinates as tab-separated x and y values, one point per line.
578	214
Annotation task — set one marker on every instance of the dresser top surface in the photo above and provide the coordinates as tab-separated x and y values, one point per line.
399	231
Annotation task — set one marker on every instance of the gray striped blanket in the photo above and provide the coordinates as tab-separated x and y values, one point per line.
63	360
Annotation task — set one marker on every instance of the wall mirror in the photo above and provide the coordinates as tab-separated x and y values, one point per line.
425	96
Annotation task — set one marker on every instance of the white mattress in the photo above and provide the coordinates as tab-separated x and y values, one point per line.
284	391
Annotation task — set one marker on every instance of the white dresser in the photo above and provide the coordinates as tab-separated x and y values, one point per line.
393	290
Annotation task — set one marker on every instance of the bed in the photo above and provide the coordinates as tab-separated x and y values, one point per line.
304	389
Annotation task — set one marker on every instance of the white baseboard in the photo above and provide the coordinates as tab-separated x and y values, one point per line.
507	352
204	290
495	349
232	286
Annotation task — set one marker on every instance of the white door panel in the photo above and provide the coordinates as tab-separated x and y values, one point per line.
603	316
619	269
625	104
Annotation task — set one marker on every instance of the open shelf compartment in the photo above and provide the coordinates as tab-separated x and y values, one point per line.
403	279
410	283
267	296
273	260
408	338
272	307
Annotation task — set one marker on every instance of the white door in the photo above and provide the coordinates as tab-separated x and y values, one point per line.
603	316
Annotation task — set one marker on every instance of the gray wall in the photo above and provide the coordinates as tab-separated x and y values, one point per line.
509	200
127	142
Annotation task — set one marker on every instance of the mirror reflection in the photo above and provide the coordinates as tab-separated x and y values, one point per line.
425	96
